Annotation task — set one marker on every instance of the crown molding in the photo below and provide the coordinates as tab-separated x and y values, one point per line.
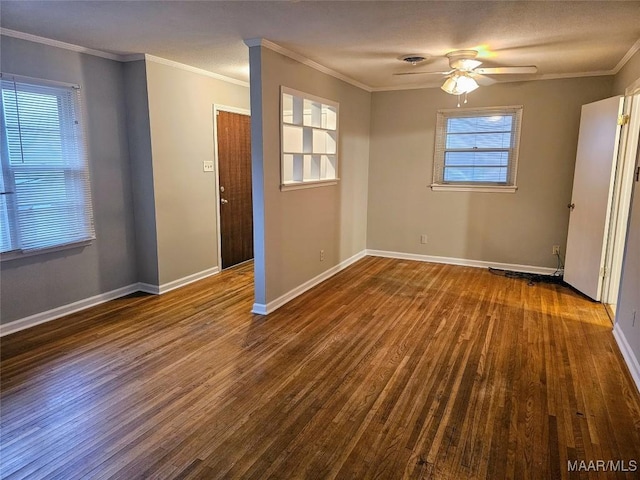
623	61
262	42
118	58
254	42
189	68
55	43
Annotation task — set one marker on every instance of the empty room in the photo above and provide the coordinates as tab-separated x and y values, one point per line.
320	239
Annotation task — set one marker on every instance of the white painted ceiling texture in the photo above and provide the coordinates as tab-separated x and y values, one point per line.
359	40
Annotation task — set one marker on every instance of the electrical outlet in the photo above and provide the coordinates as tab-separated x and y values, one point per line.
555	250
207	166
423	238
322	255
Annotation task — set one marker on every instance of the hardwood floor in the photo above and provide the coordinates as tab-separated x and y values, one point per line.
391	369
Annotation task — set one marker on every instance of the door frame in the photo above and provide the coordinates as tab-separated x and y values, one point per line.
621	204
221	108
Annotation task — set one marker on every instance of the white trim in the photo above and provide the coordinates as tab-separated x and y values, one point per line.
221	108
56	43
462	262
623	61
39	81
134	57
262	309
180	282
627	353
621	200
149	288
118	58
255	42
308	184
43	317
441	187
49	315
189	68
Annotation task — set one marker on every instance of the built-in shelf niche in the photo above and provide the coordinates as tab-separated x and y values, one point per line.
309	140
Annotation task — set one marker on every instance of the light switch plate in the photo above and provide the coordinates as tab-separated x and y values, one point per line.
208	166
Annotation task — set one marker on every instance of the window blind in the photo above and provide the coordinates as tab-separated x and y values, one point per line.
477	146
46	200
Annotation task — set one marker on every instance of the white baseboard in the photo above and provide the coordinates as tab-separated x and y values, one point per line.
49	315
43	317
181	282
262	309
628	354
462	261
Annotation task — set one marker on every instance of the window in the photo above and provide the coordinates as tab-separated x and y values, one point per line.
45	201
477	149
309	140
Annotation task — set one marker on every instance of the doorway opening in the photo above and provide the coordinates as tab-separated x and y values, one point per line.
601	197
232	143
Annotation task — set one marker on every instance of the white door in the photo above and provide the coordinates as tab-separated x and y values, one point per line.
592	193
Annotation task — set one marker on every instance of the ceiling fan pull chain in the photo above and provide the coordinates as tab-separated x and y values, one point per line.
465	97
458	100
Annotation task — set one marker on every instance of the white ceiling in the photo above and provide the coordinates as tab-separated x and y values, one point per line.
360	40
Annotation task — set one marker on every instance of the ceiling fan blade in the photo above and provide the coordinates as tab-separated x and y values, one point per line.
482	80
506	70
424	73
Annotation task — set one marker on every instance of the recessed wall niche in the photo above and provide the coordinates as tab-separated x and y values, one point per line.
309	140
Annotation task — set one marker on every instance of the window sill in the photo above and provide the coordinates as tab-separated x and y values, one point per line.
311	184
17	254
436	187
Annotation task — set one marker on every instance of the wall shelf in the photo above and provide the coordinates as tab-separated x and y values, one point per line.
309	140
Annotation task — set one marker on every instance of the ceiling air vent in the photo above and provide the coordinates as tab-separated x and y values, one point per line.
413	58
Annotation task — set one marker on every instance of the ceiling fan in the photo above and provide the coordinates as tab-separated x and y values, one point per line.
466	74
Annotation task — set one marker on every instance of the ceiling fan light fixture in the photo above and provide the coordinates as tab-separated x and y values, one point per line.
459	83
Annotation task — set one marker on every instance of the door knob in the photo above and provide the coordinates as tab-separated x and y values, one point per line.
222	200
571	206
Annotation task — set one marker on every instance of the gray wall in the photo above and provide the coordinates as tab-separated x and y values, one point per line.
139	132
515	228
181	129
300	223
628	304
42	282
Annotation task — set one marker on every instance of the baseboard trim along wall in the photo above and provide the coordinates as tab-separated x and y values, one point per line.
262	309
628	355
53	314
43	317
181	282
462	261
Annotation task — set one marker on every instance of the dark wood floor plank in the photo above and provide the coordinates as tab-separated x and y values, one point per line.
390	369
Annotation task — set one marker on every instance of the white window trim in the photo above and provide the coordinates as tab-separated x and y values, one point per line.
439	150
80	115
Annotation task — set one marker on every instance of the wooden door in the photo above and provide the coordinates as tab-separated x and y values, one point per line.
234	170
592	195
